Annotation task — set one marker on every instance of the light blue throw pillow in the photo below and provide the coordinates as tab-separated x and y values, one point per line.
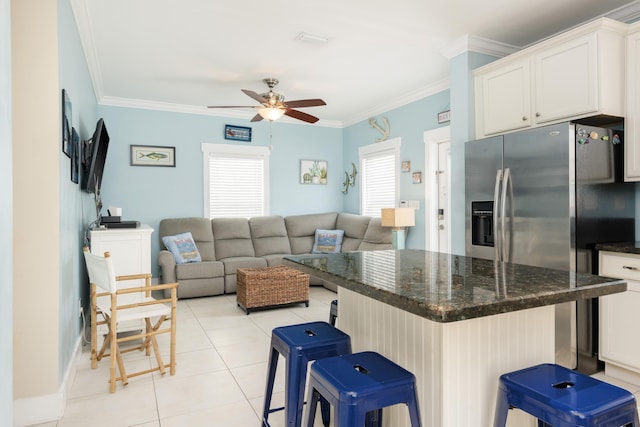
182	247
328	241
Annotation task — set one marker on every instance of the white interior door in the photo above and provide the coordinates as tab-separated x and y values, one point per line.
443	182
438	194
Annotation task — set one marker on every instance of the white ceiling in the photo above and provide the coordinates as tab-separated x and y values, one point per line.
184	55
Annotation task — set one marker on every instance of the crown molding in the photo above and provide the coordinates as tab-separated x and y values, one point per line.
400	101
143	104
83	23
627	13
471	43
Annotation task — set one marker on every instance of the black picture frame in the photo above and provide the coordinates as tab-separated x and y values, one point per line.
75	155
66	123
237	133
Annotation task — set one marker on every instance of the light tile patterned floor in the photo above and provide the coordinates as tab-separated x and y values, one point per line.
221	369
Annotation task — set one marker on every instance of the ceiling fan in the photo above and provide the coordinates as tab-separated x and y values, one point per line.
273	105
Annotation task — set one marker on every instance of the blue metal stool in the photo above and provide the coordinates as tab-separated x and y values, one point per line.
560	397
333	313
361	383
300	344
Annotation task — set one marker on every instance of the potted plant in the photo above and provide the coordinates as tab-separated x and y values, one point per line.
314	170
306	178
323	175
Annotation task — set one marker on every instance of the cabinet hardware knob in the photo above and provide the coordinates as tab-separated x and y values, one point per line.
626	267
537	114
524	118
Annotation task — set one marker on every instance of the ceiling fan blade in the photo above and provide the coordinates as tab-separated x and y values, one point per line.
305	103
257	118
301	116
231	106
254	95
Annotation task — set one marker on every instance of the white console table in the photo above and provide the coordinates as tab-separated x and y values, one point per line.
130	249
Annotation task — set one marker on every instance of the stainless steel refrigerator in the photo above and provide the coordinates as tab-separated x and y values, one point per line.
545	197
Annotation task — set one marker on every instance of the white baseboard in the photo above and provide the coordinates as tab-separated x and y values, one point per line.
50	407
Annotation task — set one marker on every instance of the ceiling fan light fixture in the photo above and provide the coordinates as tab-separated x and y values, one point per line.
271	113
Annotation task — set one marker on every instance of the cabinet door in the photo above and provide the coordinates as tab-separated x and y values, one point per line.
632	119
503	98
619	313
566	79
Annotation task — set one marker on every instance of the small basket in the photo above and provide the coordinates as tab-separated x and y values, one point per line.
271	286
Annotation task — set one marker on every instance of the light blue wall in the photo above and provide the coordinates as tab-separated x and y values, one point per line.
6	220
149	194
462	130
408	122
74	77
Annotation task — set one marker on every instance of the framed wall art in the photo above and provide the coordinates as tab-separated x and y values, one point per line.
237	133
152	155
313	171
75	155
66	123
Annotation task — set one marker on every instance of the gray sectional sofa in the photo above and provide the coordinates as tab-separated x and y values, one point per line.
226	244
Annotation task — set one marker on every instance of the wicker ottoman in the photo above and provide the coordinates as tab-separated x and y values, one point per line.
270	287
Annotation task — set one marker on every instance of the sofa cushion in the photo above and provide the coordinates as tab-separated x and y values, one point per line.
301	230
377	237
232	264
269	235
182	247
355	227
328	241
200	229
233	238
200	270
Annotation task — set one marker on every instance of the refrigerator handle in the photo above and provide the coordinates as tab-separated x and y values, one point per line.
507	245
496	201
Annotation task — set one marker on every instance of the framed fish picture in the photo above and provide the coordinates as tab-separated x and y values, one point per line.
153	155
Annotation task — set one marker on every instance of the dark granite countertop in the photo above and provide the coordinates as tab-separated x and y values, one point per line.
622	247
448	288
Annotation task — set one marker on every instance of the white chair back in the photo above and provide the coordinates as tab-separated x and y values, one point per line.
101	272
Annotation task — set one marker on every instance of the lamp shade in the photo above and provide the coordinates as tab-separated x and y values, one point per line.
398	217
271	113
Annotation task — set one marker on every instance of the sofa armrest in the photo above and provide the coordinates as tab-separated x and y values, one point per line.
167	264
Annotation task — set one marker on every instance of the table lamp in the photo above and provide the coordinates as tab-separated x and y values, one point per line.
399	219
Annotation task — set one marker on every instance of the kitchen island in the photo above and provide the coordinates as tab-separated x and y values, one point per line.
457	323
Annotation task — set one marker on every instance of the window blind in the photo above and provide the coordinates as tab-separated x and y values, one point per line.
379	171
236	183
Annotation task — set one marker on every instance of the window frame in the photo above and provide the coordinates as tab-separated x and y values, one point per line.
391	146
254	152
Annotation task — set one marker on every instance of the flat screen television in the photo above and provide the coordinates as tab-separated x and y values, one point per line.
94	157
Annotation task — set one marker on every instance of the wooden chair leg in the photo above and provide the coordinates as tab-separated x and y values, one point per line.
172	345
154	342
94	328
123	371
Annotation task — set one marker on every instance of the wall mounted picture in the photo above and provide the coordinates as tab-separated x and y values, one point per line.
237	133
313	171
152	155
417	177
66	123
75	155
406	166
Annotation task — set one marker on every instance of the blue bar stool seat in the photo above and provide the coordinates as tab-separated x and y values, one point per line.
361	383
333	313
561	397
300	344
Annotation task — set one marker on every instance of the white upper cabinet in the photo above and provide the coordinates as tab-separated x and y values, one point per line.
504	97
575	74
632	115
